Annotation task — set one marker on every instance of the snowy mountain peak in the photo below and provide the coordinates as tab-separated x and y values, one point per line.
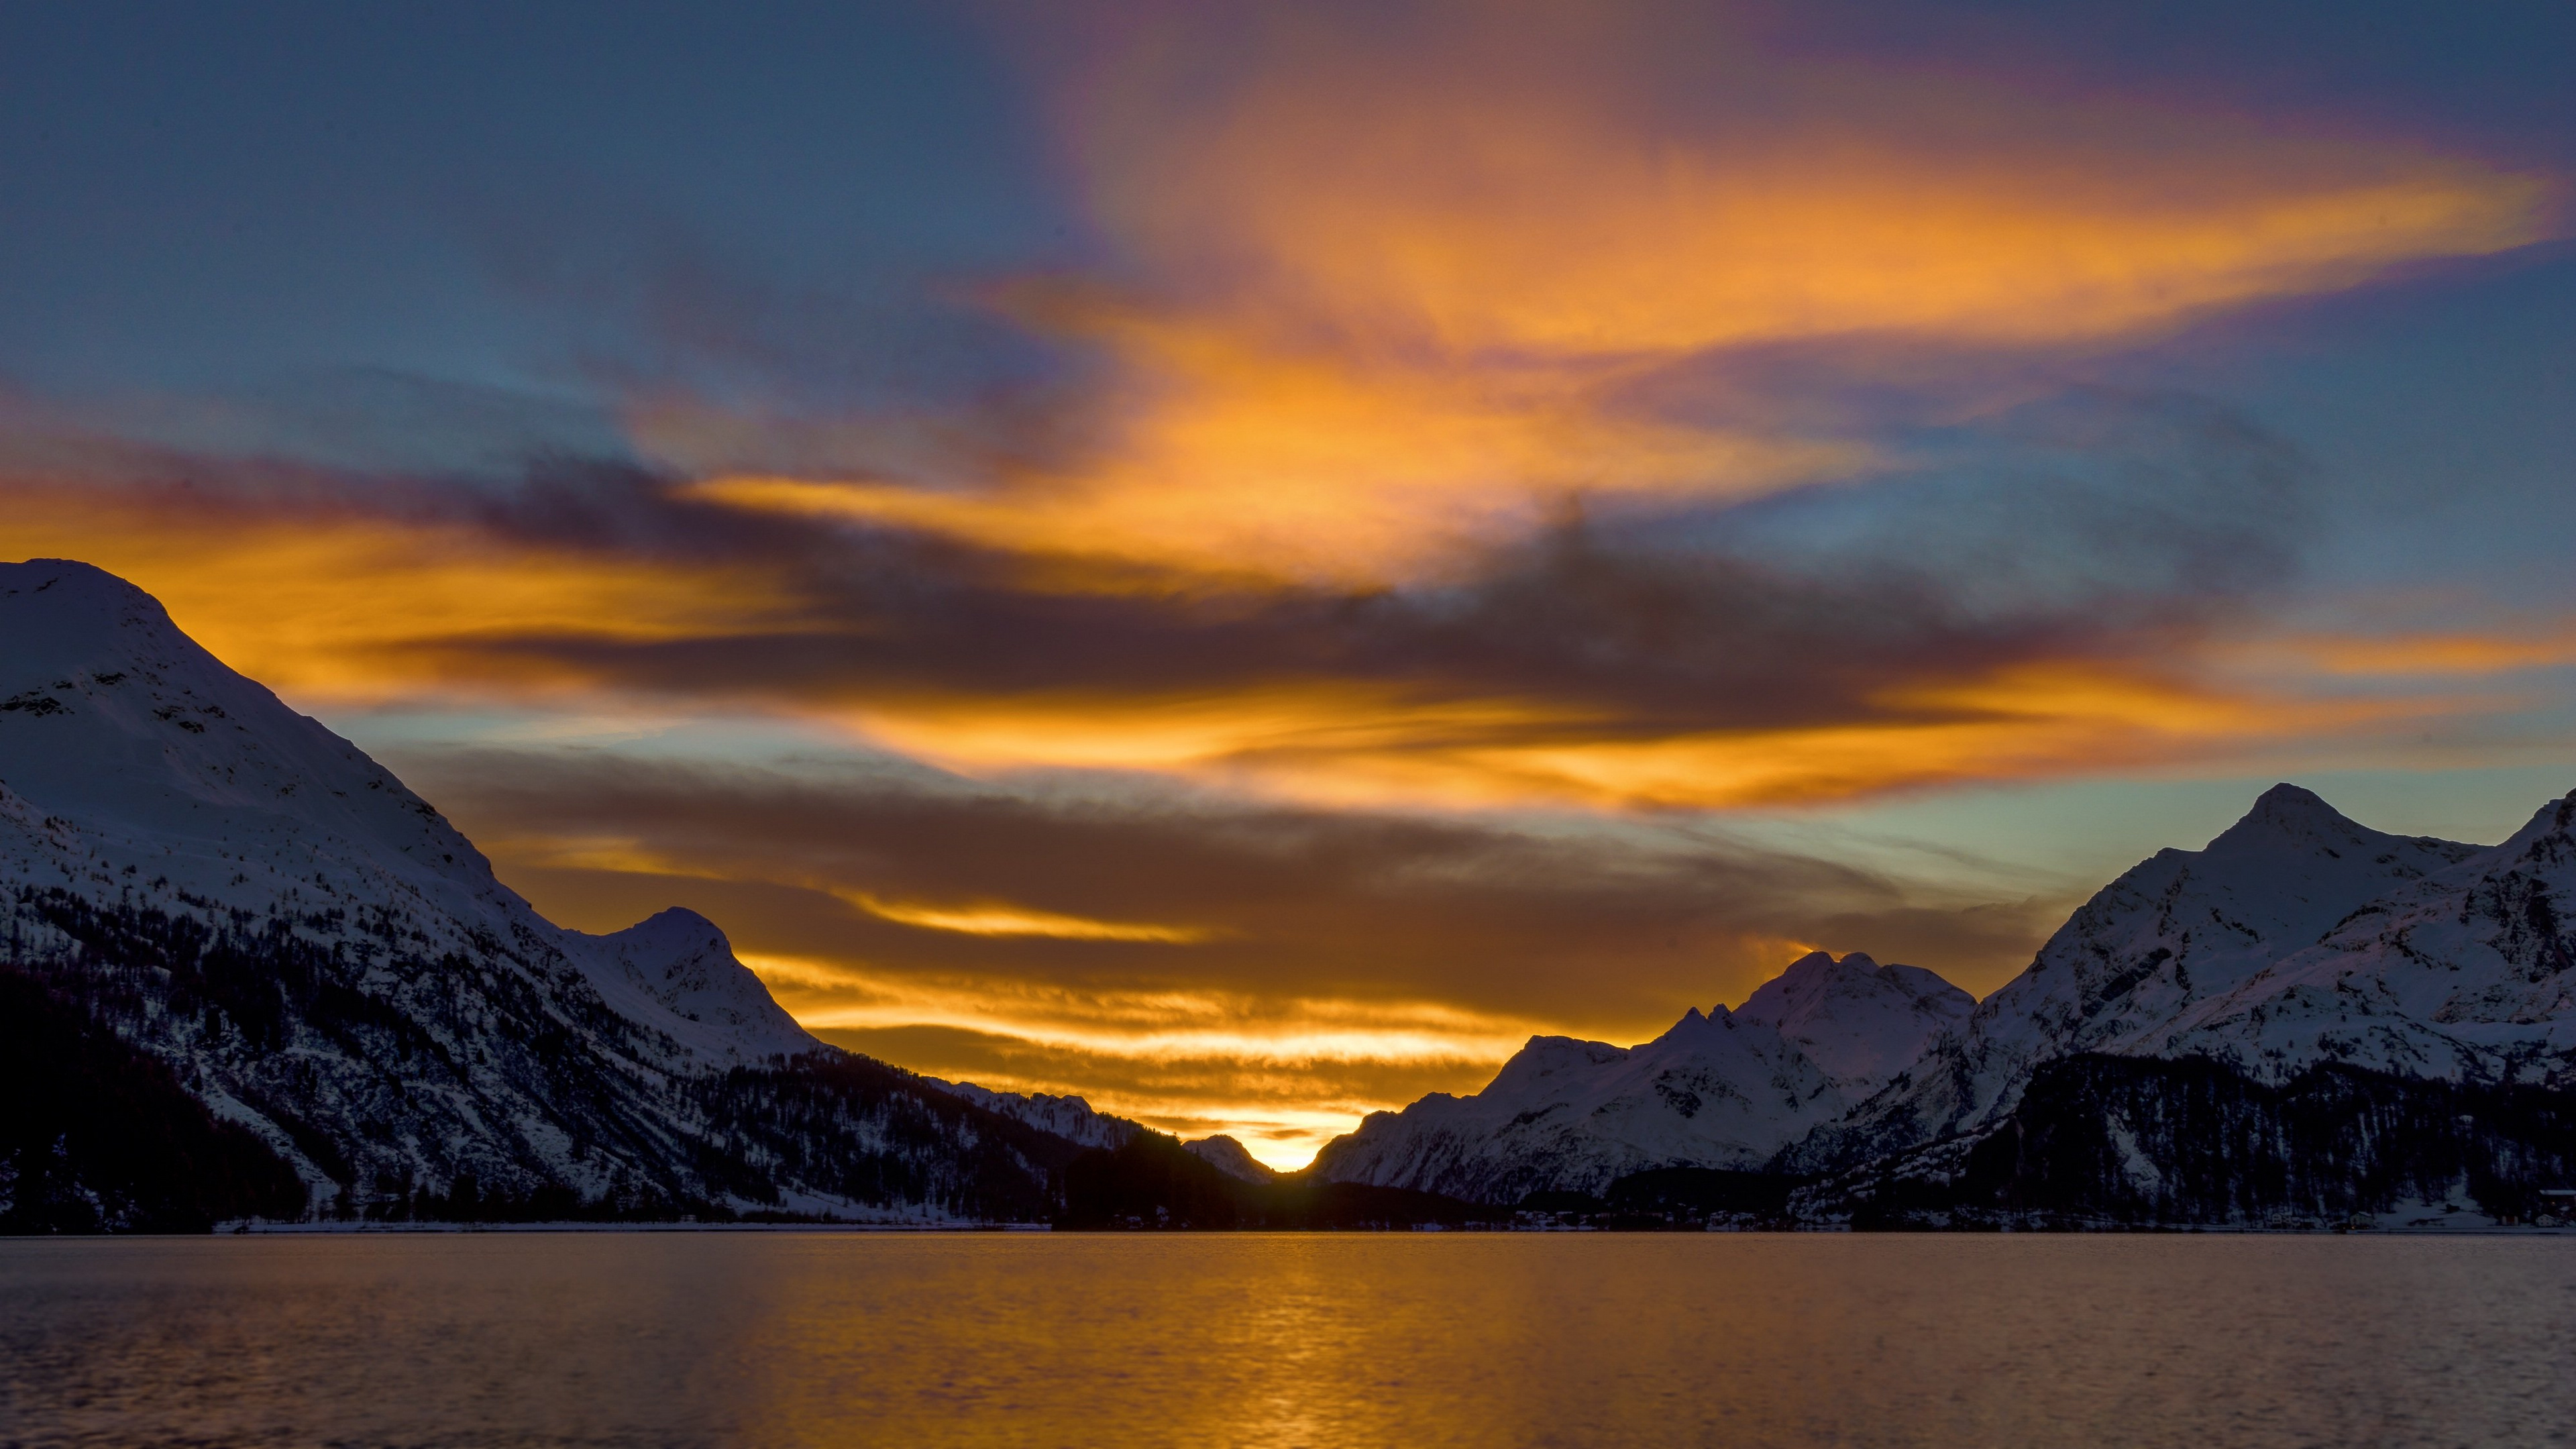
322	958
199	779
180	785
1544	1059
79	590
1722	1089
1231	1157
2297	938
2288	819
674	928
1859	1022
679	960
2289	804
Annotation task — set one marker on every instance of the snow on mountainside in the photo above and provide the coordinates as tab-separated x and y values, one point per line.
1860	1023
323	958
315	954
136	767
2463	975
1070	1118
2295	941
2296	938
683	965
1729	1089
1231	1157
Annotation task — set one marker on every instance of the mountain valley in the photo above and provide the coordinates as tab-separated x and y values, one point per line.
249	974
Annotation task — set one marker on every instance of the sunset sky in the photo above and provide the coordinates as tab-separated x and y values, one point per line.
1241	559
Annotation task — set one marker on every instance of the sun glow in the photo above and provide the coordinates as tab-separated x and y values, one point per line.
1283	1075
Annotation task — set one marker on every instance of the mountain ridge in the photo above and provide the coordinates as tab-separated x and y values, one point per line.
323	960
2296	941
1721	1089
259	917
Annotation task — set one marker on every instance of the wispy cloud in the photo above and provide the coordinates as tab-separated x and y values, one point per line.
1002	919
1390	301
1336	961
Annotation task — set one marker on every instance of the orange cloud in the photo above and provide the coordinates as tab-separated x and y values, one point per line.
1338	744
1389	309
1518	207
1283	1075
2459	652
341	606
1396	294
336	603
998	919
1229	459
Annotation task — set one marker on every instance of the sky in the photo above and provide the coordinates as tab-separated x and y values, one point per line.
1242	559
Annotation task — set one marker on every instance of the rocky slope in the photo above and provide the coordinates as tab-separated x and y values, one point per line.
317	956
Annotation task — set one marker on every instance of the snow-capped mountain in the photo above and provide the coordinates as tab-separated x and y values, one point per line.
140	770
2304	1012
2463	976
322	958
1725	1089
678	962
2296	939
1229	1156
2297	942
1859	1022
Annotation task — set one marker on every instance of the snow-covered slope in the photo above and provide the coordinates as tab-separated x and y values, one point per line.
136	767
2296	938
1231	1157
322	957
678	963
2463	975
1070	1118
1728	1089
1859	1022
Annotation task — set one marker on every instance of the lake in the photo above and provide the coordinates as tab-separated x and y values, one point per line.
691	1338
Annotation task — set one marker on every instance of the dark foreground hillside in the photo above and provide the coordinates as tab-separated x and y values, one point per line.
309	1039
2114	1143
2123	1141
97	1137
2097	1142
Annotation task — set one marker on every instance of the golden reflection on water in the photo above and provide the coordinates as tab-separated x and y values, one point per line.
987	1339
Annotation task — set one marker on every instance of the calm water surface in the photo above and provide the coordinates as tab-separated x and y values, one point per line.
1414	1340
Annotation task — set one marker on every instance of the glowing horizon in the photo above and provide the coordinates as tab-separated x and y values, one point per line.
1267	556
